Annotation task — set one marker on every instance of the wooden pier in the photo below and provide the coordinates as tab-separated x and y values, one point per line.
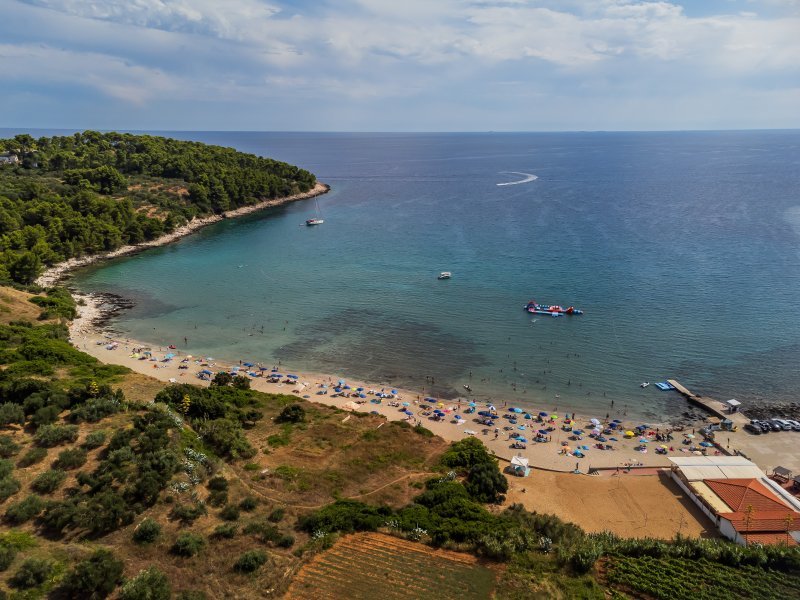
715	407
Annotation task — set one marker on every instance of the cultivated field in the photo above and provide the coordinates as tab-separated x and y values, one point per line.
373	565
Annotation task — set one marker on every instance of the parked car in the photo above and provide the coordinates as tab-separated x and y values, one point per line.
761	425
795	424
754	429
773	423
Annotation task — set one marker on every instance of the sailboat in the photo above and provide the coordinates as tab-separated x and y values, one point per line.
315	220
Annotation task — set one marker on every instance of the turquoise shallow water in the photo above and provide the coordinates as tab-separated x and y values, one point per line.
682	248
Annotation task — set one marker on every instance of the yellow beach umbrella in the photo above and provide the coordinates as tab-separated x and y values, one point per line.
553	416
629	434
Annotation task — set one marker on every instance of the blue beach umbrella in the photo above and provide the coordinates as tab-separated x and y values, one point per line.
543	414
292	376
406	404
263	369
472	404
544	432
362	395
528	416
408	412
517	410
522	439
644	441
341	382
359	389
394	391
521	427
430	399
706	444
207	372
248	364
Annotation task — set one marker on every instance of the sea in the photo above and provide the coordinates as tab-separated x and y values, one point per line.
681	248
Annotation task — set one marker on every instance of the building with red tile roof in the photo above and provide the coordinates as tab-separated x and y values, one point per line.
747	510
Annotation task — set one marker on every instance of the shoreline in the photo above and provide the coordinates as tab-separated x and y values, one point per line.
59	271
89	334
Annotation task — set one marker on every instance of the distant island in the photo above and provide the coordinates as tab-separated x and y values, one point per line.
90	193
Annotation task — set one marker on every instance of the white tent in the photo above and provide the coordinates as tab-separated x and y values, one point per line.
519	465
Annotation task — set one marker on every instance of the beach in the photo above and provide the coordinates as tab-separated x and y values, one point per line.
178	365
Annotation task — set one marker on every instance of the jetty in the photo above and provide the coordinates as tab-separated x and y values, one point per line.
715	407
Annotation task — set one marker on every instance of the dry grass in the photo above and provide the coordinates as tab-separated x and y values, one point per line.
14	306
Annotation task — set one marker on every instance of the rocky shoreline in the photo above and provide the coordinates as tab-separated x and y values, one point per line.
58	272
776	410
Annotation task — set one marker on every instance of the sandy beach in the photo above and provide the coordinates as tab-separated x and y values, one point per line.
56	273
556	454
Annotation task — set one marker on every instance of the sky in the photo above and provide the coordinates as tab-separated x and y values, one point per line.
400	65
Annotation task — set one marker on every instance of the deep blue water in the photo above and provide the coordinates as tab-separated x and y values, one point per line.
682	248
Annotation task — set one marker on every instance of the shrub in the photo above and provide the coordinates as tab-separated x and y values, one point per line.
218	498
94	577
24	510
94	440
8	487
31	573
217	484
276	516
11	413
45	416
52	435
188	544
423	431
225	531
6	468
146	532
230	513
294	413
187	513
8	447
250	561
31	457
466	453
248	503
95	409
7	554
71	458
48	482
150	584
285	541
192	595
485	483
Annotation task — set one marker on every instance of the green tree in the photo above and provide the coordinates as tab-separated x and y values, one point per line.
94	578
485	483
11	414
150	584
25	267
31	573
294	413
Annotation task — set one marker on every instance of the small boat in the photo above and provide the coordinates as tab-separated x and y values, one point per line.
315	220
555	310
445	275
468	388
644	384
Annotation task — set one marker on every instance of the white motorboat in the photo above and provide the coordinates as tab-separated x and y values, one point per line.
644	384
445	275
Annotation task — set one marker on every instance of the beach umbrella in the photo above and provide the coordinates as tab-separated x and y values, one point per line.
263	369
170	355
629	434
689	435
362	395
544	432
644	441
491	407
584	447
528	416
596	431
394	391
347	387
440	405
664	447
408	412
430	399
706	444
542	414
292	376
207	372
578	431
276	375
306	396
472	404
521	427
522	439
341	382
248	364
274	369
616	421
553	416
406	404
359	389
600	438
594	421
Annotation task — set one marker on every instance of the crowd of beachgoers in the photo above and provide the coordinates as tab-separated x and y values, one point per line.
562	441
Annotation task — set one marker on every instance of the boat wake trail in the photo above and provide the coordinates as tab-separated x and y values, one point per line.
528	177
